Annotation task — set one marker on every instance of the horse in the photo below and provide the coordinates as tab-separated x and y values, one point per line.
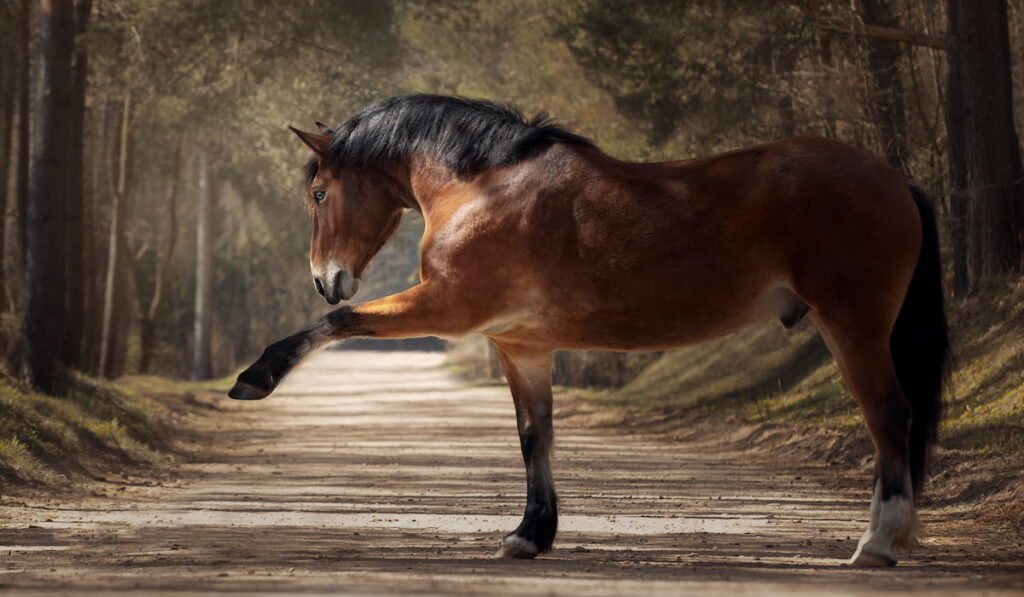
539	241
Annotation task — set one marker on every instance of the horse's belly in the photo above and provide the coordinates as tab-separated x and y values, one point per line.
661	330
638	325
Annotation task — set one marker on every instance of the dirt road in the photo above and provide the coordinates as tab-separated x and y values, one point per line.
376	473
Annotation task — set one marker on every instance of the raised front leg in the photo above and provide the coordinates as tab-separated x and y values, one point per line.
529	377
409	314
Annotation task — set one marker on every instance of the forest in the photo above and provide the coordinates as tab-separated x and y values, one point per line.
152	192
156	236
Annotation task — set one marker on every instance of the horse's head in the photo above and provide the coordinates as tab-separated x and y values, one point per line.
353	213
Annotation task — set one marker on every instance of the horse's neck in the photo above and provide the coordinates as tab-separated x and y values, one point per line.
437	191
432	187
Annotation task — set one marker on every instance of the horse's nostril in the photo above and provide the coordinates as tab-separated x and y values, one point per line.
319	286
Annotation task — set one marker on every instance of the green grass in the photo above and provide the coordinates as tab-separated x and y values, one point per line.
763	373
985	410
98	426
152	385
50	441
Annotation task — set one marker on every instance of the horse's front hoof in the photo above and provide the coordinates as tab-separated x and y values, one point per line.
255	383
869	559
515	547
244	391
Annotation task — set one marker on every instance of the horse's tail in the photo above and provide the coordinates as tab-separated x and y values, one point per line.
920	344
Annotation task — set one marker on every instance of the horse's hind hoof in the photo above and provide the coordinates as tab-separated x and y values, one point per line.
516	548
255	383
870	559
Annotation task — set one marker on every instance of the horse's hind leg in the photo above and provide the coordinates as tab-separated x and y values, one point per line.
862	351
529	378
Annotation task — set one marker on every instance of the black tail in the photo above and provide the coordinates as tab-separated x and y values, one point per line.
920	344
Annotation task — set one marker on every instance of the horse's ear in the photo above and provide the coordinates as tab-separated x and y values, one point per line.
324	129
317	143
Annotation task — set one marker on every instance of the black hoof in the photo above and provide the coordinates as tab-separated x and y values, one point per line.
255	383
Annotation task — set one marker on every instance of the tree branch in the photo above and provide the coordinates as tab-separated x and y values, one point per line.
859	29
939	42
316	46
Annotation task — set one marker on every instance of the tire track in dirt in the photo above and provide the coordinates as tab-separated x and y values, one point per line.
372	472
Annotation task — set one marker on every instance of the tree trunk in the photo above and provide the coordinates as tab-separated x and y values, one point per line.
95	283
115	270
24	135
887	85
829	109
987	176
75	222
8	106
204	270
46	319
785	62
162	265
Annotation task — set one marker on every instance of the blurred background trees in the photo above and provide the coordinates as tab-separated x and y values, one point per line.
151	192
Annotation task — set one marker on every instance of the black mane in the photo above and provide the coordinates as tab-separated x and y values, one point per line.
465	134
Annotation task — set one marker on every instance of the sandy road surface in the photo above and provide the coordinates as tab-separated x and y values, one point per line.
376	473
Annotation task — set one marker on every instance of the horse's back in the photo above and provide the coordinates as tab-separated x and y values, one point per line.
639	256
755	214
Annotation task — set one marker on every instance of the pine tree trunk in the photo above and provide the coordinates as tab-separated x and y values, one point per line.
986	171
204	270
825	55
8	107
100	192
785	62
24	135
46	319
887	85
75	221
115	270
162	266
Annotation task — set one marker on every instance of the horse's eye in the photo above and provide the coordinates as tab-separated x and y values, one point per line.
319	196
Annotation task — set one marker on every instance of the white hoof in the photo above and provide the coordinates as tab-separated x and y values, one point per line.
515	547
865	557
893	526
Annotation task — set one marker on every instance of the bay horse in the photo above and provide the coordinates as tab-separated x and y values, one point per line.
539	241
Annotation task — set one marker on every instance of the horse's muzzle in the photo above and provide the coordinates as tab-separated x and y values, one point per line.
338	285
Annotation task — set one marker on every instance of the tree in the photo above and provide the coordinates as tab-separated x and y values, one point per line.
24	139
114	288
9	63
985	167
46	319
204	269
887	86
162	265
75	219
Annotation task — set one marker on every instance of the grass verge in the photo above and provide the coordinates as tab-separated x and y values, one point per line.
58	442
98	427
